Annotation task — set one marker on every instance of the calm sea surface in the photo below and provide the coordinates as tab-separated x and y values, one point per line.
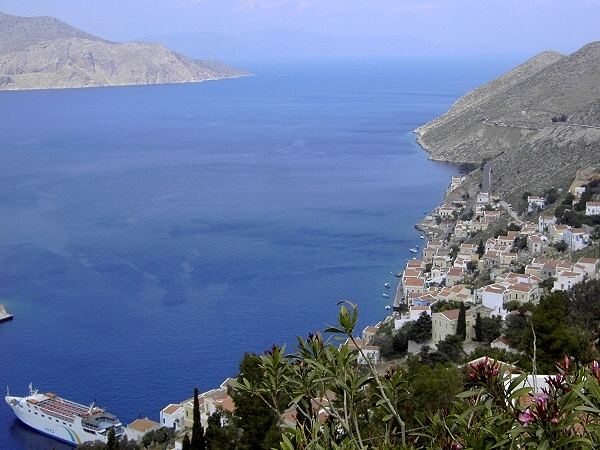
149	236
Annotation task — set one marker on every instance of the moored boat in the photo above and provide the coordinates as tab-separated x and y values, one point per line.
63	419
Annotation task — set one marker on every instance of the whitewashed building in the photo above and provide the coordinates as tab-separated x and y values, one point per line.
566	280
592	208
493	296
139	427
171	416
534	203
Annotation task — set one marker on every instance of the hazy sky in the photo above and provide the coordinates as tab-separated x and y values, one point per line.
447	26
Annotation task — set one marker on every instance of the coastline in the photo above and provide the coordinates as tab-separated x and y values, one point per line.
57	88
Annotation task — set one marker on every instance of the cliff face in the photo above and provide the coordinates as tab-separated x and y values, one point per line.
38	53
536	122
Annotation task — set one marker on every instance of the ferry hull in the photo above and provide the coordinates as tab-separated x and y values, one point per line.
46	425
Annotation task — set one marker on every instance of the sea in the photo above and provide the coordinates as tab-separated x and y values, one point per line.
151	235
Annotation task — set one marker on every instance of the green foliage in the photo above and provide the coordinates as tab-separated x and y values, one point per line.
516	324
496	353
585	308
519	244
424	407
449	350
221	433
432	389
254	416
161	436
560	246
500	232
512	305
490	328
454	251
111	442
461	325
471	266
513	227
551	195
445	305
197	442
555	335
568	200
478	328
185	443
420	331
481	248
114	444
548	283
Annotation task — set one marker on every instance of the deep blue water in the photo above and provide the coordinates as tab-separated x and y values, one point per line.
149	236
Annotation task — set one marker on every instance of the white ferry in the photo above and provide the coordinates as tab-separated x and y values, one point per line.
63	419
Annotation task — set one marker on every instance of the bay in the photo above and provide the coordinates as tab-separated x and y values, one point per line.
151	235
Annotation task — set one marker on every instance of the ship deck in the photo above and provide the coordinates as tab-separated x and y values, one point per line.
60	408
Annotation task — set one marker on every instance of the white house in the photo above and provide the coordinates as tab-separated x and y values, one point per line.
576	238
412	285
537	243
454	276
456	182
371	353
139	427
483	198
566	280
534	203
545	221
414	312
446	211
590	266
369	332
171	416
493	296
592	208
502	343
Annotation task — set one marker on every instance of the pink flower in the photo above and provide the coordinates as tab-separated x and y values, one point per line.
540	399
455	446
554	420
526	417
596	369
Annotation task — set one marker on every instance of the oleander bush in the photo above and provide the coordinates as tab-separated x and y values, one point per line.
340	404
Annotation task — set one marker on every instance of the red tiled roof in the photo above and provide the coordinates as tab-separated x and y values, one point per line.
451	314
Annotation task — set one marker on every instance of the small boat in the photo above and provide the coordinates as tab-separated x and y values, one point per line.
413	250
388	307
422	237
387	285
385	295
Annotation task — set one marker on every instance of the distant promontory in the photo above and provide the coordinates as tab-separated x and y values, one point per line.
539	124
45	53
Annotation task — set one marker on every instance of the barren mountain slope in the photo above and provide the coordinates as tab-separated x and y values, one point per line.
510	120
17	33
43	53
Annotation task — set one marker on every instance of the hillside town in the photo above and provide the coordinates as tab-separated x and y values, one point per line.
487	257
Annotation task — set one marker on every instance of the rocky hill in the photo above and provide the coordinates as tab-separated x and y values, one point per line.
43	52
539	123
